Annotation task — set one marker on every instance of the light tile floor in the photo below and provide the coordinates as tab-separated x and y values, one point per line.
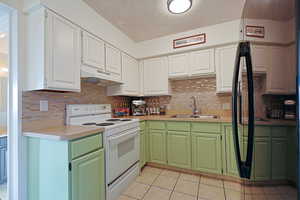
158	184
3	192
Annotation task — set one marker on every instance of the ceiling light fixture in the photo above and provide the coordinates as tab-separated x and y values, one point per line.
2	35
4	69
179	6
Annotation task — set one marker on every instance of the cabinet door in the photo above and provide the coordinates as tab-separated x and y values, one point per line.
88	177
225	60
130	74
231	165
262	162
179	149
158	146
156	77
142	149
279	159
276	82
3	160
206	152
93	51
178	65
261	58
291	69
63	52
202	62
113	60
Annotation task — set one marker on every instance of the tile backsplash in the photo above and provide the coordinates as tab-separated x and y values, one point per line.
204	89
91	93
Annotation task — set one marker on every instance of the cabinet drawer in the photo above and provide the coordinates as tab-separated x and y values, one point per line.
259	131
206	127
143	125
279	131
178	126
157	125
82	146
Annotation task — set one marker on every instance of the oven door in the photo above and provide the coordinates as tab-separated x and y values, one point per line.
123	152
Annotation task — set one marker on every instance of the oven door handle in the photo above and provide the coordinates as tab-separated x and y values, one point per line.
121	138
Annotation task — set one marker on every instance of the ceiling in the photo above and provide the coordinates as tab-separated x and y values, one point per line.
148	19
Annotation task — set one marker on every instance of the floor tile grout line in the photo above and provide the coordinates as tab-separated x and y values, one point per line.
174	187
151	185
199	187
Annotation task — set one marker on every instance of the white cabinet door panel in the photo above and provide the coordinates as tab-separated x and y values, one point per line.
202	62
63	53
178	65
225	60
113	60
156	77
93	51
260	58
130	69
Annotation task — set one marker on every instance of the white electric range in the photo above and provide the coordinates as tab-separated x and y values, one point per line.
121	142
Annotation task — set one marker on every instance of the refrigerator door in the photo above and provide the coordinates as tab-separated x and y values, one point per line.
265	149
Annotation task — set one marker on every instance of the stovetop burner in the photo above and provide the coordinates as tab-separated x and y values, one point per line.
104	124
113	120
89	124
125	120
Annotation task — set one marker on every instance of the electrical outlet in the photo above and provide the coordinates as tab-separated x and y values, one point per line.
43	105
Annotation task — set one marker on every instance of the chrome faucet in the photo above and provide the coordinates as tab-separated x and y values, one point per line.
194	106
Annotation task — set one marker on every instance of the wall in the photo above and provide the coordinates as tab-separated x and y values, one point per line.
91	93
218	34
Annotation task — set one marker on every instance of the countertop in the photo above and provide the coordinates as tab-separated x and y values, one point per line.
216	120
63	132
3	131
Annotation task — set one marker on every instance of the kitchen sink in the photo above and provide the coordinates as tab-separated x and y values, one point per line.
195	116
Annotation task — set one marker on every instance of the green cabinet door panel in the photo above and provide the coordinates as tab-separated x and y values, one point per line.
231	165
244	155
206	152
292	155
179	149
142	149
262	161
88	177
158	146
279	159
206	127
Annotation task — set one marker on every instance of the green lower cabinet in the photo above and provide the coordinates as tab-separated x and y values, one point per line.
142	149
206	152
179	149
262	161
158	146
230	158
279	159
87	177
69	170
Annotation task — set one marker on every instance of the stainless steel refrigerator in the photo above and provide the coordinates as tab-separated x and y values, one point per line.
264	101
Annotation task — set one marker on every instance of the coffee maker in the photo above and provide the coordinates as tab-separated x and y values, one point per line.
138	108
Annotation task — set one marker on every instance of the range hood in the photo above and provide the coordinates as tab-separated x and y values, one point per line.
102	78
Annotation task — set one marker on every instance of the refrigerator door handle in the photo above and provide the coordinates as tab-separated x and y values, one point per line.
244	167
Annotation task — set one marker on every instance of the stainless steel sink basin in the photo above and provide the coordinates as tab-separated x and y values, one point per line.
195	116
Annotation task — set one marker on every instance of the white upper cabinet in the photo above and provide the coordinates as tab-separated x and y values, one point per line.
202	62
225	60
131	77
260	58
292	69
93	51
279	72
155	76
178	65
53	53
113	60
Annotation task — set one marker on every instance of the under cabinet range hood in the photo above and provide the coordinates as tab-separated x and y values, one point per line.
90	74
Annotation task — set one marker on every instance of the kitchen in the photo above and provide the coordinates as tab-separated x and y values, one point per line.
83	71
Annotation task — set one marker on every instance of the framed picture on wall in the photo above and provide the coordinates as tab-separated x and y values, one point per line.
189	41
255	31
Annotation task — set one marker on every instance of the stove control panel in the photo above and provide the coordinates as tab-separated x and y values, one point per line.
87	109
